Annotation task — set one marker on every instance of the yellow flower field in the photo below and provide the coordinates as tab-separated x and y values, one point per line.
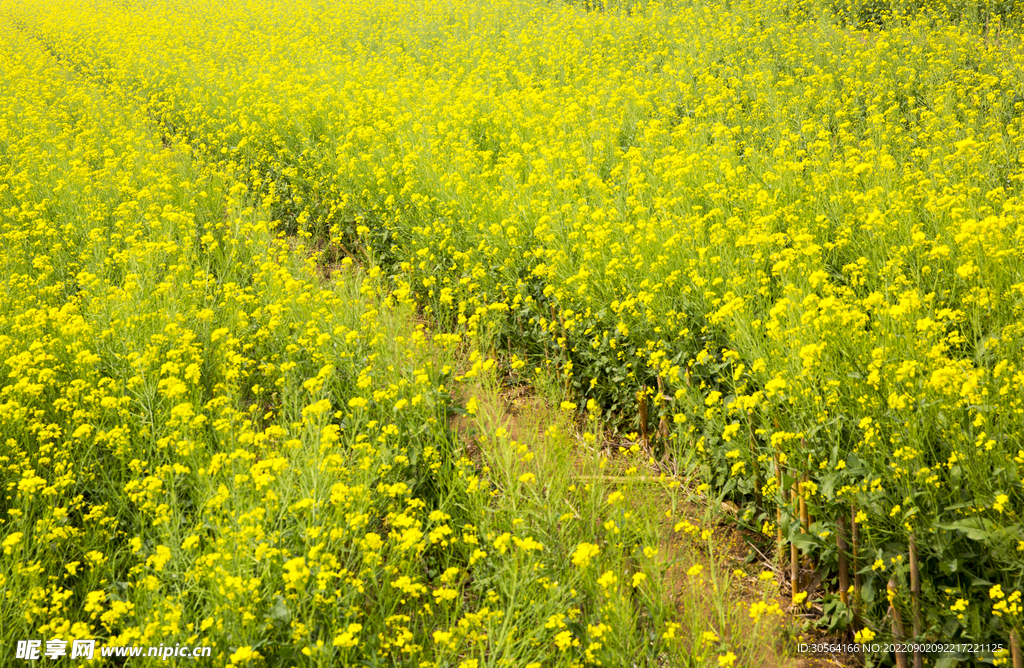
246	247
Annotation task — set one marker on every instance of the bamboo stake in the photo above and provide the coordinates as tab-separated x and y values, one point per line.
663	428
844	574
758	502
915	591
805	516
805	524
642	397
794	557
855	539
805	519
778	509
807	477
1015	653
897	625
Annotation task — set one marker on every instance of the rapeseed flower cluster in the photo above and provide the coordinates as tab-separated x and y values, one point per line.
207	441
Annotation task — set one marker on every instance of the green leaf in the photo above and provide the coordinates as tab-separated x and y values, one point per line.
975	528
828	485
804	541
867	592
280	611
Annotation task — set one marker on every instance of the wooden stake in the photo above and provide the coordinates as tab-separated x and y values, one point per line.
1015	653
844	574
915	592
897	626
